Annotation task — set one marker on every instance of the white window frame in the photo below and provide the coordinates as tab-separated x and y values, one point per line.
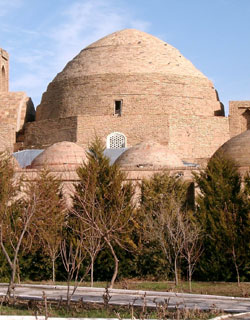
113	134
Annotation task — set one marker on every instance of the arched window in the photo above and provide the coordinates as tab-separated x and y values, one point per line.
116	140
245	121
3	79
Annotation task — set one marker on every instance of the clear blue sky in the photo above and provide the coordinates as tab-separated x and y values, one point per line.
41	36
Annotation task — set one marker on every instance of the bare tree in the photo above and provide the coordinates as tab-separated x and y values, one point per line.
14	226
73	255
165	226
50	212
101	227
163	199
86	215
192	243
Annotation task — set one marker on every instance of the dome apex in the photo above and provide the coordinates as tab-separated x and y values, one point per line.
131	51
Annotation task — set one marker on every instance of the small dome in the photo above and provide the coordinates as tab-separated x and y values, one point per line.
238	149
149	155
59	156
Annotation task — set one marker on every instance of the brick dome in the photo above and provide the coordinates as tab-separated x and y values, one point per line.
238	149
147	74
60	156
149	155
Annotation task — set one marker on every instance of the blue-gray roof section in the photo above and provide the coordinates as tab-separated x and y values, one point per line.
25	157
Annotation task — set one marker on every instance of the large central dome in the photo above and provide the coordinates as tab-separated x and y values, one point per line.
131	66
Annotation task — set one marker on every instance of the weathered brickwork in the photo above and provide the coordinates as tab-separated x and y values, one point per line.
7	137
4	71
239	117
16	108
41	134
192	137
136	128
140	94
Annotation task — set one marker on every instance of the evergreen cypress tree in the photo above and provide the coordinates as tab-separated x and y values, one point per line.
223	213
103	202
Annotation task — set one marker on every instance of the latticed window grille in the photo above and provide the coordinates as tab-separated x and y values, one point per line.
116	140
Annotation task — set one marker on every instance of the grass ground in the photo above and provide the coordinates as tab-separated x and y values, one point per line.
96	311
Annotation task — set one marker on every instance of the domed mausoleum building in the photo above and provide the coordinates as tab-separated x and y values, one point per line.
126	88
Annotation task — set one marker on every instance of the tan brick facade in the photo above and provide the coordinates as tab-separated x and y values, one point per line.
4	71
16	108
239	117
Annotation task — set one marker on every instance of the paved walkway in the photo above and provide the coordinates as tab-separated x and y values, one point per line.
133	297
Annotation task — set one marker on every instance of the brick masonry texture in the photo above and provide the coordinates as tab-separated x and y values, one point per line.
41	134
4	71
149	75
16	108
239	117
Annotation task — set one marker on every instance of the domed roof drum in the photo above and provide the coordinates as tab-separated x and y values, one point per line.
140	69
60	156
238	149
149	155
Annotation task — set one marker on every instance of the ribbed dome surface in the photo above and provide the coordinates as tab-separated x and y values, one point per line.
60	156
130	65
149	155
238	149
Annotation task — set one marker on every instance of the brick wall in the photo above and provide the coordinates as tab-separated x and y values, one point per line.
4	71
41	134
239	117
7	137
141	94
16	108
136	128
192	137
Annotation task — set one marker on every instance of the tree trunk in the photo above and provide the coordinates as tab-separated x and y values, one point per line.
236	266
176	272
53	271
190	277
92	272
68	294
11	286
116	263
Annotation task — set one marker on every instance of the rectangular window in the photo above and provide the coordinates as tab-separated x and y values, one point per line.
118	108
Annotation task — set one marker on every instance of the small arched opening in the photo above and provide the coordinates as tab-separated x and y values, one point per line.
3	80
245	123
116	140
